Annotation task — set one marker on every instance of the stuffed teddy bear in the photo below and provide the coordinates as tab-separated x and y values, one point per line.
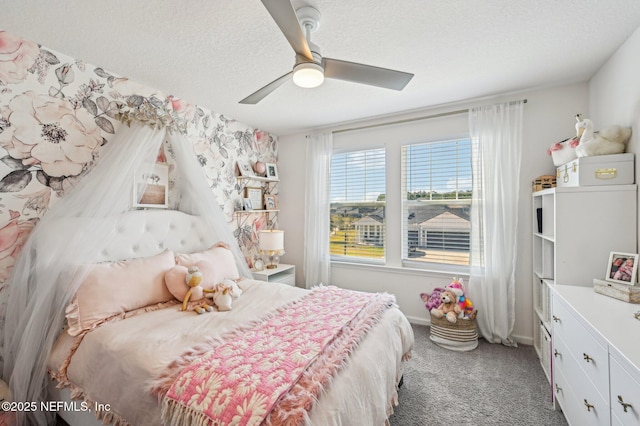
449	308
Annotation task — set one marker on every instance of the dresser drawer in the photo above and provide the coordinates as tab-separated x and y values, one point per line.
584	347
583	391
573	406
624	390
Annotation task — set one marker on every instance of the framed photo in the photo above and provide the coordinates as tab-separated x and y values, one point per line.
272	171
270	202
245	169
255	196
248	206
623	268
152	189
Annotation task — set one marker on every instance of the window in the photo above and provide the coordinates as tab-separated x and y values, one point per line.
357	200
436	187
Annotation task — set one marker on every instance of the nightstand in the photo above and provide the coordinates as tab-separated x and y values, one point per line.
285	274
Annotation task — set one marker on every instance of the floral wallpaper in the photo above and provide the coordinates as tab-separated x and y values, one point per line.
56	113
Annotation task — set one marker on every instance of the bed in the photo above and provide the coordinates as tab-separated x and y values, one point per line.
128	365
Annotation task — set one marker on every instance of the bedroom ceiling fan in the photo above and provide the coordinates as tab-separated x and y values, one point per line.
310	67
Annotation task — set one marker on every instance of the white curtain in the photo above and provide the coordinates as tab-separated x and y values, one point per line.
317	261
496	135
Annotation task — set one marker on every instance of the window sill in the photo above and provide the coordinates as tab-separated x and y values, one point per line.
406	270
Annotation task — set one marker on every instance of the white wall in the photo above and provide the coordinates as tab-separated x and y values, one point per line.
548	119
614	93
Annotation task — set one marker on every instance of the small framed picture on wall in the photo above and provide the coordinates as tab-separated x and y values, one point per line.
247	204
272	171
270	202
622	268
151	189
245	169
255	196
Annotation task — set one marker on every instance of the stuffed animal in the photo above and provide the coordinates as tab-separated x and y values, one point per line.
432	301
222	296
196	292
457	286
612	140
449	308
223	293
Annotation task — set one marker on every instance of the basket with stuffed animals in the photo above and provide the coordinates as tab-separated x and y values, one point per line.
453	317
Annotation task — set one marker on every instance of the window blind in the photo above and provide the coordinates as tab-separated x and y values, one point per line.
357	198
436	188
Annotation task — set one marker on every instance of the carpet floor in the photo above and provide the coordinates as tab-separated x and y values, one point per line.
491	385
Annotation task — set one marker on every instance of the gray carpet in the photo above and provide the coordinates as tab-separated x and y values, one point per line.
491	385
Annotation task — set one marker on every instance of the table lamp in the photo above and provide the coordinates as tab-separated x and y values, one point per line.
272	247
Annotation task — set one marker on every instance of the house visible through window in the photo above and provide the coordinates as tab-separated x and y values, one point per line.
432	226
436	184
357	200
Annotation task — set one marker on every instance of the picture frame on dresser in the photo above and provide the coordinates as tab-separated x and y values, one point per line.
622	268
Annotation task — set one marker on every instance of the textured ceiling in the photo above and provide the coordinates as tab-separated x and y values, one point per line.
216	52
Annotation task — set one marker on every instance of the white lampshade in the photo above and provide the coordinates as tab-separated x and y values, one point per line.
272	240
308	75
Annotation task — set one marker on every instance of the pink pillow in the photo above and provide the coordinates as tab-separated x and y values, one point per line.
216	264
114	288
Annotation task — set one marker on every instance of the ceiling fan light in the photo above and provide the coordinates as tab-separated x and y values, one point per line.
308	75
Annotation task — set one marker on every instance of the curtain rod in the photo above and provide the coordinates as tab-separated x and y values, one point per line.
409	120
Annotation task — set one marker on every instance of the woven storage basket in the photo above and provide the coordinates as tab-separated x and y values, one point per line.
461	335
543	182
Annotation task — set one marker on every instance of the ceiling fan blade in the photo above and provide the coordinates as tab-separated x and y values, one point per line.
285	16
260	94
365	74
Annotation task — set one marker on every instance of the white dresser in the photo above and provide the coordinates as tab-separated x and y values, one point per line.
596	357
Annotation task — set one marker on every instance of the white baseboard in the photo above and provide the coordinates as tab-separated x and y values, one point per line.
522	340
418	320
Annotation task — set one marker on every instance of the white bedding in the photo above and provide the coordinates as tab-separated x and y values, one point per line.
116	362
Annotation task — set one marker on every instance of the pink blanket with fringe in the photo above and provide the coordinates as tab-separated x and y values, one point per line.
272	371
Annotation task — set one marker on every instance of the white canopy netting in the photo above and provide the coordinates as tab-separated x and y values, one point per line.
43	282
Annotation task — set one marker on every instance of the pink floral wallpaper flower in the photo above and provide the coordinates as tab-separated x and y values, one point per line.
55	114
16	57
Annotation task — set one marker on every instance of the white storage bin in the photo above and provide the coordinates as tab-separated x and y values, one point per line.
615	169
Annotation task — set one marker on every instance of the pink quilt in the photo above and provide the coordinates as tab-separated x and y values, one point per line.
272	371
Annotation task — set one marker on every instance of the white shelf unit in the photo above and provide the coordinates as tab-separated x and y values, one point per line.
580	227
265	184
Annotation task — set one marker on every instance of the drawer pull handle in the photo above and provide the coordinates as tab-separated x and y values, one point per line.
558	388
624	404
587	357
556	354
556	319
586	404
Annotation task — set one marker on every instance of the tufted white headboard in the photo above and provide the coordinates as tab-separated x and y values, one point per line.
139	233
